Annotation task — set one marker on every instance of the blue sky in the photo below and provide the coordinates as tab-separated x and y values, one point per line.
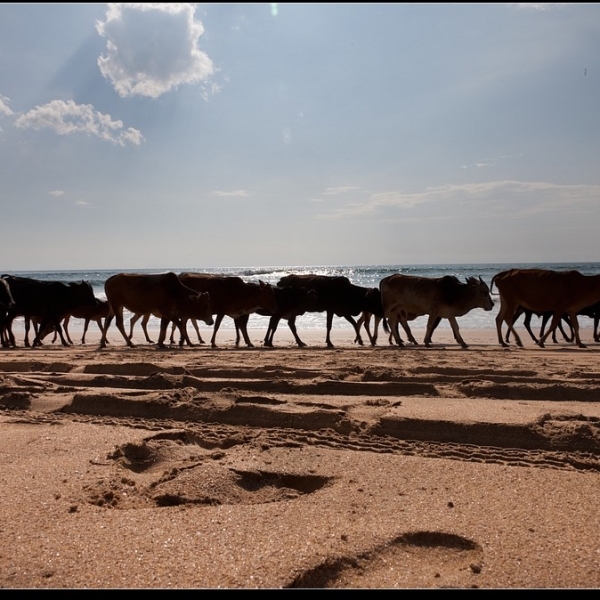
215	135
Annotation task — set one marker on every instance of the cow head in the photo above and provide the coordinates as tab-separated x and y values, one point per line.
269	300
84	293
481	293
201	307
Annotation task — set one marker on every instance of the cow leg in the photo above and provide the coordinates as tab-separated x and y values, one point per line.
164	323
527	323
107	321
145	320
240	326
431	325
518	313
394	331
358	337
244	330
27	327
215	329
86	324
575	326
407	330
502	316
181	324
8	332
365	319
195	326
132	322
271	329
567	320
373	338
184	334
556	317
329	324
292	326
121	327
66	329
44	328
455	330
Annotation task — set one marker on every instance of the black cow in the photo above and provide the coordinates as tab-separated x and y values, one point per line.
47	303
291	303
337	296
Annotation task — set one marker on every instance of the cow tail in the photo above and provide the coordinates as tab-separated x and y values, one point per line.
492	284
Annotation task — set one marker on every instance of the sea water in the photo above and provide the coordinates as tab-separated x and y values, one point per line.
363	275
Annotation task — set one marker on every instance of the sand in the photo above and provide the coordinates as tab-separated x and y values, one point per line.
352	467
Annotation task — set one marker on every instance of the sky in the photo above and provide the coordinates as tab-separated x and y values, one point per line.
176	136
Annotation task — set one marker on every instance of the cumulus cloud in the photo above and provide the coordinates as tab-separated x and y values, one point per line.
4	107
152	48
66	118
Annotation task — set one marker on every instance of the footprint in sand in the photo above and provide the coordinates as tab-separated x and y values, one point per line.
416	559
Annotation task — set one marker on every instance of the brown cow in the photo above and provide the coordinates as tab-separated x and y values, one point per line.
162	295
439	297
233	297
544	290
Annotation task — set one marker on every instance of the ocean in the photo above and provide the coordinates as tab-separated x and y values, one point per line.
363	275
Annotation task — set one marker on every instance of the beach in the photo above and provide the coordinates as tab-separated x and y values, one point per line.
351	467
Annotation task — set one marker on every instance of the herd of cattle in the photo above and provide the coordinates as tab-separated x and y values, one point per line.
555	296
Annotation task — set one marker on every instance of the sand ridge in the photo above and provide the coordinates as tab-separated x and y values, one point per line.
288	467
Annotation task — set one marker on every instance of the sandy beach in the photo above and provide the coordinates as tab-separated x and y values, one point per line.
352	467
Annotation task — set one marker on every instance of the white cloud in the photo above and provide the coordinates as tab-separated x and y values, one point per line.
540	6
57	193
4	108
512	198
152	48
66	118
232	194
331	191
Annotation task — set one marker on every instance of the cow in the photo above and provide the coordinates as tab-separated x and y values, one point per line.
88	314
6	302
231	296
438	297
46	302
336	295
160	294
291	303
544	290
593	312
545	316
